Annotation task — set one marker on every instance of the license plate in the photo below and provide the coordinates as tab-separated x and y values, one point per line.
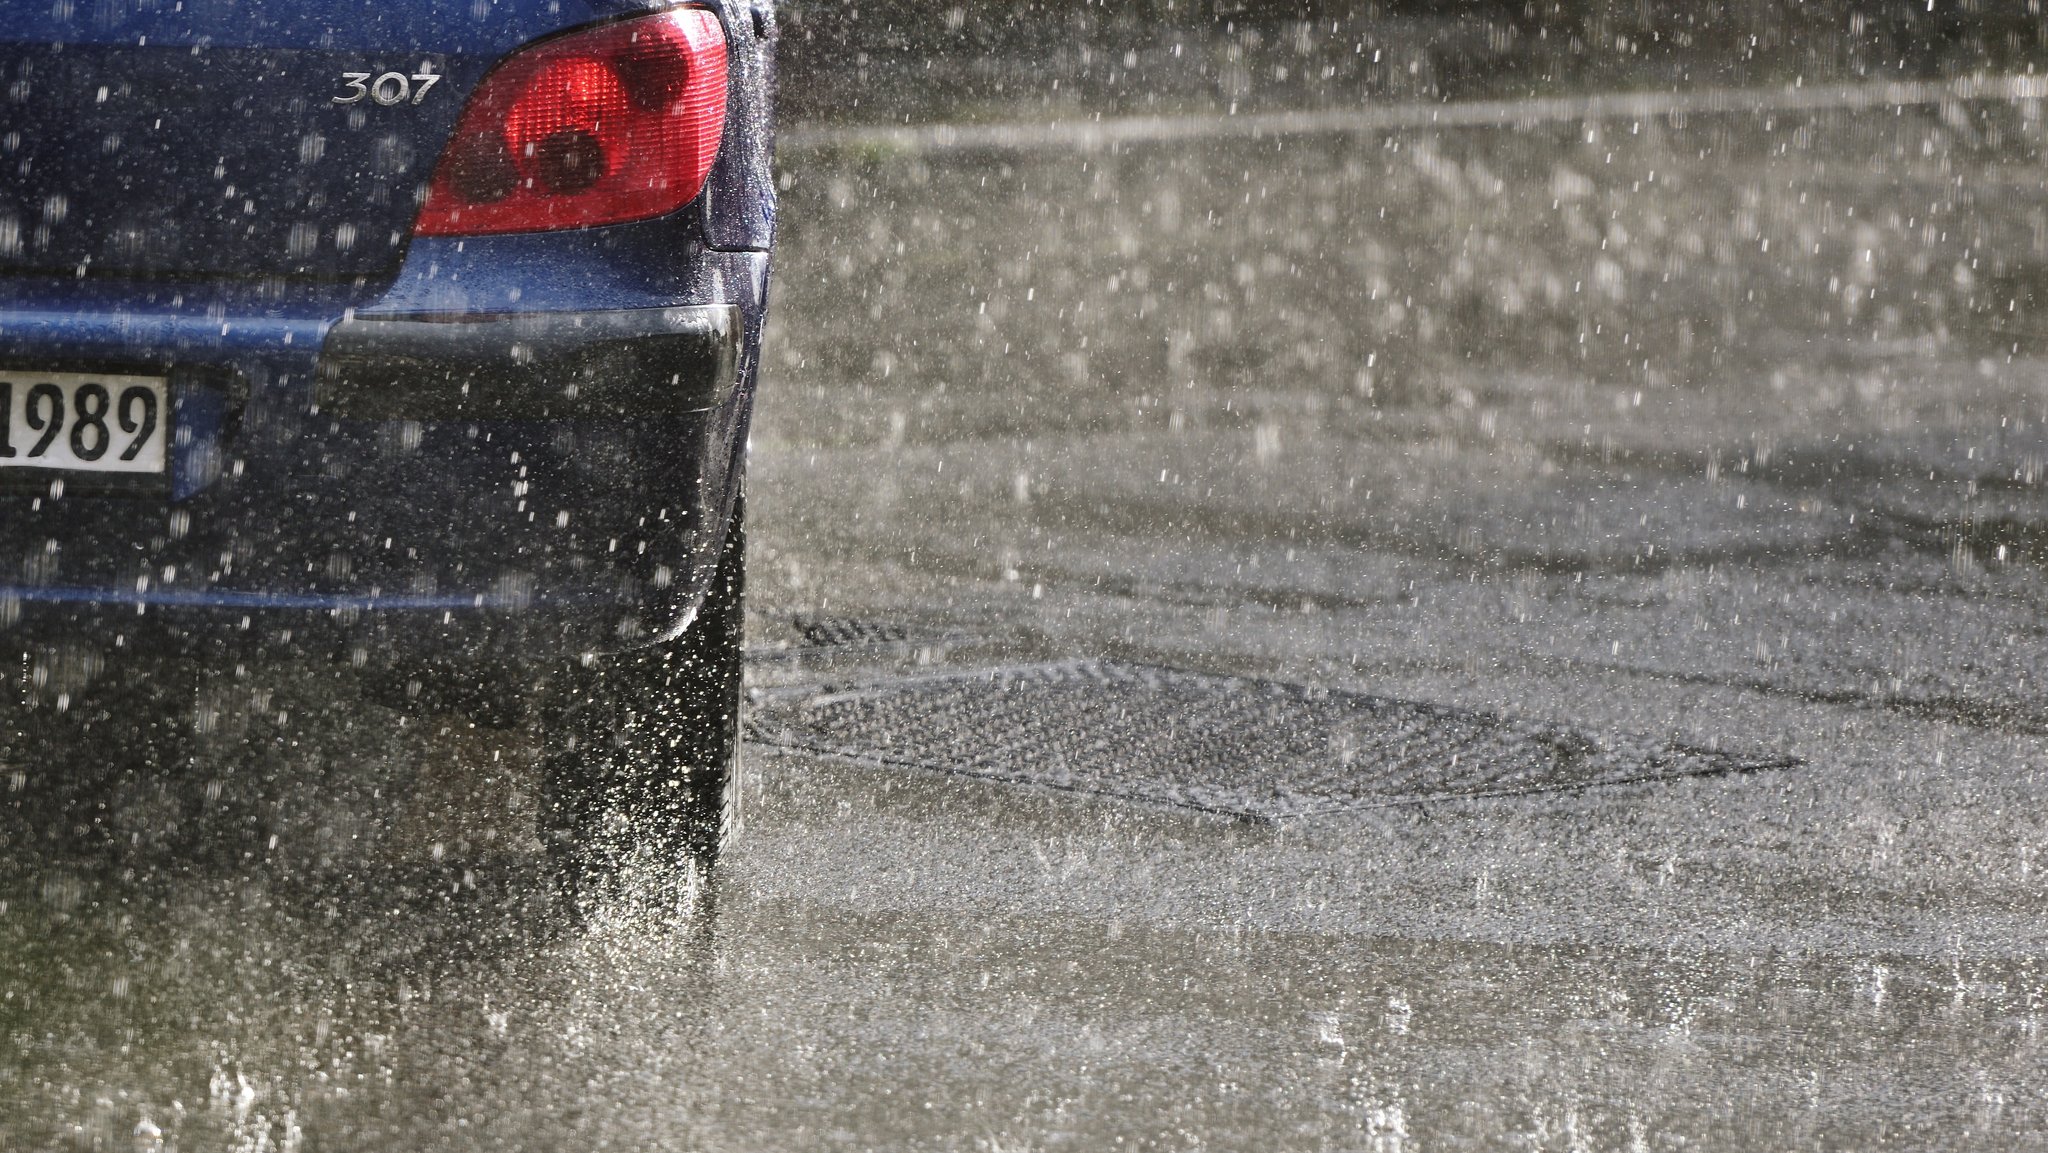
83	422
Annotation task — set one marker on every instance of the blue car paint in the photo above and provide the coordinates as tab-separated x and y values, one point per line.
489	29
465	535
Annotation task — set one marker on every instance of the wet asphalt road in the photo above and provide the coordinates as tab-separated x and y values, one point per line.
1537	442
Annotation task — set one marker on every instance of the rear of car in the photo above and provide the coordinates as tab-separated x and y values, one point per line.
423	332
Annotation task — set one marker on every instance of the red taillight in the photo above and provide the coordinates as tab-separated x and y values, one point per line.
614	124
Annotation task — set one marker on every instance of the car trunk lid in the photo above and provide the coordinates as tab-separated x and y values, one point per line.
265	138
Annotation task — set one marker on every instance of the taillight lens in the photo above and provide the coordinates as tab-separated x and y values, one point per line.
614	124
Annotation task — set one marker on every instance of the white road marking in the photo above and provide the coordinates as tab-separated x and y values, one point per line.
1104	133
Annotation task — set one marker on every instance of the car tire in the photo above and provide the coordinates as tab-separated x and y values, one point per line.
641	756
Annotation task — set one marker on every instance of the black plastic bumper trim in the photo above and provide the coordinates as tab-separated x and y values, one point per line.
600	365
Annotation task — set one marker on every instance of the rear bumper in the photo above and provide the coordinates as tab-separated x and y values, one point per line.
431	485
576	366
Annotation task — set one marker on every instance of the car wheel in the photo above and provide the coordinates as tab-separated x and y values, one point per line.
641	758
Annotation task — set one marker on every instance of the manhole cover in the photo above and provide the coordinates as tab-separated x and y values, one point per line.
849	631
1252	748
808	636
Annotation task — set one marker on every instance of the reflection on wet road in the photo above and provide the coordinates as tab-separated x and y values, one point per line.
1745	454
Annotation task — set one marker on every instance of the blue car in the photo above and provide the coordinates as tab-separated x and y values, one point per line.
421	332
